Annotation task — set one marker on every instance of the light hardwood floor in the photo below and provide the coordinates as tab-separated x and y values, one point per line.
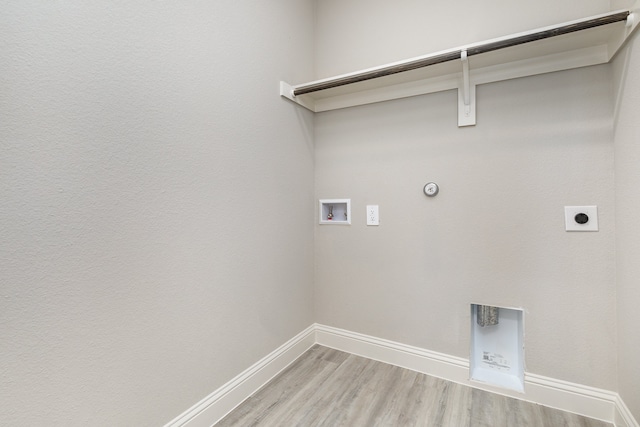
327	387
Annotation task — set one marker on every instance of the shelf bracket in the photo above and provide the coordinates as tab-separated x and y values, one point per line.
286	91
466	95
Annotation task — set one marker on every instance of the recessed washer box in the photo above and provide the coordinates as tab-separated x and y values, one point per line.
581	218
335	211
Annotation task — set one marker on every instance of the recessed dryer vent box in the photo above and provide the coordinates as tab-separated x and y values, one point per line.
335	211
497	349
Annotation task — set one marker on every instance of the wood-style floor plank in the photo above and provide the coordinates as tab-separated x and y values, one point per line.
330	388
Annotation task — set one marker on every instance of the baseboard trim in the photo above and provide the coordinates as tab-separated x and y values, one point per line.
214	407
439	365
623	416
576	398
588	401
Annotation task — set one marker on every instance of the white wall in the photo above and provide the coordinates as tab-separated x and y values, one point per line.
626	73
156	212
495	233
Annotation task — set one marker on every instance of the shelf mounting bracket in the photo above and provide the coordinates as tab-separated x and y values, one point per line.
466	95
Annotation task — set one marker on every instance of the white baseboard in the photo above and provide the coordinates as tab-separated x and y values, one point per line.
439	365
214	407
588	401
591	402
623	417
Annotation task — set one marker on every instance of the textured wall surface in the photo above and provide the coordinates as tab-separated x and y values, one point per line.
157	203
158	199
627	151
495	233
358	34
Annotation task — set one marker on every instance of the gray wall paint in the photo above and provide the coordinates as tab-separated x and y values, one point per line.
358	34
495	233
626	70
157	203
157	199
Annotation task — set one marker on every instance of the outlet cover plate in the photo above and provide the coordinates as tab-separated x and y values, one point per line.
570	222
373	217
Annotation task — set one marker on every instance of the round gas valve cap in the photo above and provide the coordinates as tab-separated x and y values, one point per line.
431	189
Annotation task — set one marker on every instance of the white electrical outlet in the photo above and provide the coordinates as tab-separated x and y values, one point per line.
373	217
581	218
